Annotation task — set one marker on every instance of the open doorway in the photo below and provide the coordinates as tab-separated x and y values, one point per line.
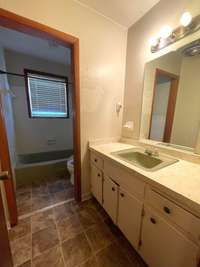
41	166
163	105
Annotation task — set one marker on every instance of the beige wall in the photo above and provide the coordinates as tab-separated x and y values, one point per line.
37	135
138	52
187	113
102	64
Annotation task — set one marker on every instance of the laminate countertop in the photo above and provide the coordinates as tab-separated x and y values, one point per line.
180	181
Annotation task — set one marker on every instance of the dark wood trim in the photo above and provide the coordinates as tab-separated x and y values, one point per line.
171	103
170	110
29	71
5	252
25	25
6	166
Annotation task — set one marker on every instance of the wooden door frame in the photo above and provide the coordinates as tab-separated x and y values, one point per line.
13	21
6	256
171	103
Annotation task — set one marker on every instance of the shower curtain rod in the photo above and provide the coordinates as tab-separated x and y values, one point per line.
2	72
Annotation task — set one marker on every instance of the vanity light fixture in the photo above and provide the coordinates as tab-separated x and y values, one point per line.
186	19
153	41
168	36
165	31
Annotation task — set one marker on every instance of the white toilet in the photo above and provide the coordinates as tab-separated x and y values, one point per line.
70	167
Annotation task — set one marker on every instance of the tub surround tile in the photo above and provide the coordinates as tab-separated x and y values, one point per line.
76	250
50	258
44	240
21	250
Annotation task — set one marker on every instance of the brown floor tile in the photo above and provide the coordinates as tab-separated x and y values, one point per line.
88	217
23	228
21	250
26	264
42	220
113	228
41	190
50	258
23	197
112	256
23	189
76	251
62	195
41	202
44	240
63	211
128	249
24	208
90	263
70	227
99	236
56	186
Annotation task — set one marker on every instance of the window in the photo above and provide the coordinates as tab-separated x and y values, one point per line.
47	95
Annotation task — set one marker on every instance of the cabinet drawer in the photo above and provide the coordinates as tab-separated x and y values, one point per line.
129	181
96	160
184	219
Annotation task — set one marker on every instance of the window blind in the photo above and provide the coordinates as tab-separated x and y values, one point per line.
47	96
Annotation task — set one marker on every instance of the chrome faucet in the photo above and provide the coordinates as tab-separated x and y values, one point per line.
151	153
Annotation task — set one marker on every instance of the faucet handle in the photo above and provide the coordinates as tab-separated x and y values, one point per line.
149	152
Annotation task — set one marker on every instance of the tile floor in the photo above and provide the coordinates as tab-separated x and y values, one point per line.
71	235
43	193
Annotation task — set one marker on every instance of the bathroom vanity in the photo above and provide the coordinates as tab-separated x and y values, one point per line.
157	210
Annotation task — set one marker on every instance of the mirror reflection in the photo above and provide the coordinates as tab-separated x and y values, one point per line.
172	83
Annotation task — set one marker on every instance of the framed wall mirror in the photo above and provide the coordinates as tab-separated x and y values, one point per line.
171	99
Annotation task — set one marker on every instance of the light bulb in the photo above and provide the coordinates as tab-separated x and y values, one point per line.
153	41
165	32
186	19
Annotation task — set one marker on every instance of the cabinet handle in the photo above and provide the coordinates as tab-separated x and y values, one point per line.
99	174
113	189
153	220
167	210
122	195
95	160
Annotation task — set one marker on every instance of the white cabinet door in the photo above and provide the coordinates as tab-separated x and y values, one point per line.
129	217
110	198
164	246
97	183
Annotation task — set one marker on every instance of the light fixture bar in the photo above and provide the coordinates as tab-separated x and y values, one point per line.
177	34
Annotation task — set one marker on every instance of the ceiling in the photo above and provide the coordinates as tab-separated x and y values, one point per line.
34	46
124	12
